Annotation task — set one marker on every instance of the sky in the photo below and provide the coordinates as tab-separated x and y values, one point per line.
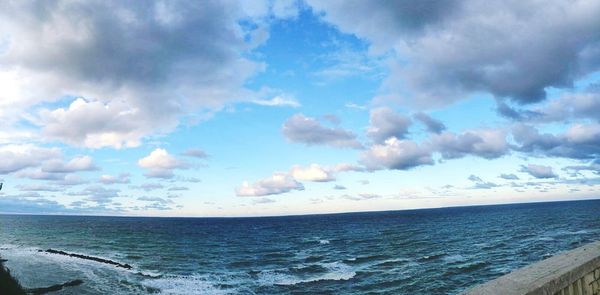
252	108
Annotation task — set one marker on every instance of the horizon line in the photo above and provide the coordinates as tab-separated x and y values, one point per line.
308	214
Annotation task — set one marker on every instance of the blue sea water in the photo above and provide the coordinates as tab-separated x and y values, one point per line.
432	251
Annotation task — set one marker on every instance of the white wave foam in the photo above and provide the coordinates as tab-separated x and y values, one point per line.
194	284
454	258
336	271
323	242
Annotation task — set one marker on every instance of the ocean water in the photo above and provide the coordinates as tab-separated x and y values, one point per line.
433	251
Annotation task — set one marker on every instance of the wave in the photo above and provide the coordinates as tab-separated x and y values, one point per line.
192	284
366	259
334	271
432	256
466	267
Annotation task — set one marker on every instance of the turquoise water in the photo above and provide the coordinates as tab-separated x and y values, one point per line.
433	251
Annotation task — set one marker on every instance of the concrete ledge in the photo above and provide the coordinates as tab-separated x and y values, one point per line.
576	272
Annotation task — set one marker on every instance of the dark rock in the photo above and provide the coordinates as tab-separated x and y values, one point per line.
97	259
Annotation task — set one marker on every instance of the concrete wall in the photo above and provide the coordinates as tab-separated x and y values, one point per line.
576	272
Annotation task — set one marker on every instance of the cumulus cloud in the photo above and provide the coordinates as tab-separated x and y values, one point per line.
278	183
539	171
432	125
579	141
282	182
137	66
122	178
396	154
452	50
314	172
82	163
485	143
18	157
385	123
585	105
160	164
302	129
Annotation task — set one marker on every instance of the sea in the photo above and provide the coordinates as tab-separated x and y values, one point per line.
428	251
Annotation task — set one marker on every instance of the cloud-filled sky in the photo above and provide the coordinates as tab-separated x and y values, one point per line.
244	108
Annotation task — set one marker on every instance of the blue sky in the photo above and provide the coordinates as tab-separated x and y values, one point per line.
249	108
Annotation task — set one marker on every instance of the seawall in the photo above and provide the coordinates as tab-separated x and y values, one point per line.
575	272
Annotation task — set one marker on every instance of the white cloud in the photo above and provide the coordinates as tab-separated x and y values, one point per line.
314	172
81	163
279	183
539	171
18	157
110	179
97	124
396	154
137	66
444	50
160	164
278	101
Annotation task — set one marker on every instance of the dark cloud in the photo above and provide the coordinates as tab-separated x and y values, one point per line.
579	141
302	129
139	66
196	153
511	49
15	204
385	123
516	114
384	20
539	171
480	184
432	125
485	143
594	167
